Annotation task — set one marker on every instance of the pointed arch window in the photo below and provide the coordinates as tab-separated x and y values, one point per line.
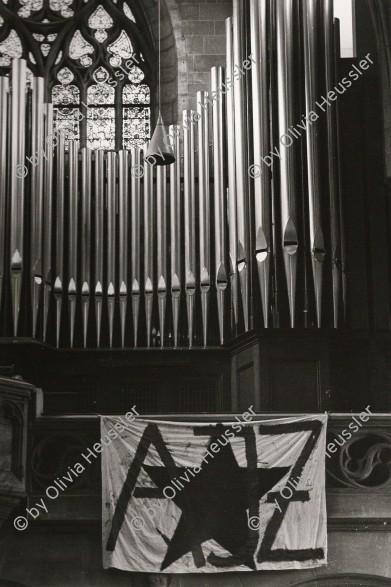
96	63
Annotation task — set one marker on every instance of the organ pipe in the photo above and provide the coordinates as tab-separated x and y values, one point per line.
148	246
273	125
135	238
99	238
18	113
4	88
85	237
73	176
231	190
219	198
48	214
37	149
241	160
59	266
332	154
317	245
288	185
204	206
123	227
175	227
261	147
161	236
111	206
337	51
189	217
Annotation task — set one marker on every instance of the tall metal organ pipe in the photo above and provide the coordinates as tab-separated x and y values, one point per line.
99	238
149	234
261	147
48	213
111	210
242	178
58	288
231	163
4	89
317	244
123	228
161	236
18	113
36	244
73	170
175	227
135	238
85	238
219	197
204	206
189	217
288	186
331	114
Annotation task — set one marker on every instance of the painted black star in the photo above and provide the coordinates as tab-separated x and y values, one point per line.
214	504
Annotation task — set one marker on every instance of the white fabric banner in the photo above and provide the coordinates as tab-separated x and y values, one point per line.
206	498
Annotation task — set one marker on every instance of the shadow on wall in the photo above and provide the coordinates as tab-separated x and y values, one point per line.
172	48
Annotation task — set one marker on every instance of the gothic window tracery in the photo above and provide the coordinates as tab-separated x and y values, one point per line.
95	61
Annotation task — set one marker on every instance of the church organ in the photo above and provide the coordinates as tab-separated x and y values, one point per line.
243	230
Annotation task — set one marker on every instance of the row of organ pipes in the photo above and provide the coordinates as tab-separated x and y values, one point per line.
107	237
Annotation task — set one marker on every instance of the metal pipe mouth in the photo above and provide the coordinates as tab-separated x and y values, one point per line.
241	266
261	255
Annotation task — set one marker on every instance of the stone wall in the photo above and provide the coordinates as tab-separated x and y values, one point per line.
203	27
192	41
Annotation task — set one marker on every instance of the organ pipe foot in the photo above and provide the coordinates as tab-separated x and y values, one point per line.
290	262
336	289
162	317
190	316
317	270
135	310
98	317
235	296
175	316
110	309
148	316
35	297
46	302
220	311
221	285
122	311
243	277
264	285
205	308
72	308
57	290
85	307
58	320
16	287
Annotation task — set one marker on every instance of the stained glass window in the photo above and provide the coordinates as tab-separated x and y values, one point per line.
96	62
